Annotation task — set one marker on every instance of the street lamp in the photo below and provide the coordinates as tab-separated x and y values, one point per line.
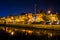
49	11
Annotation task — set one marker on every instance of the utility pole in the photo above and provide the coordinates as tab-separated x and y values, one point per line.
35	10
35	6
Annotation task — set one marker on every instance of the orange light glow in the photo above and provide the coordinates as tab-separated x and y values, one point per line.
12	33
49	11
29	31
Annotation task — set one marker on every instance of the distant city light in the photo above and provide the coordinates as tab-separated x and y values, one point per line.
49	11
12	17
30	18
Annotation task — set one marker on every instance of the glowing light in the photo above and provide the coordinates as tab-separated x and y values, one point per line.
23	30
49	35
12	17
9	31
49	11
17	20
12	33
31	20
3	28
50	23
57	22
29	31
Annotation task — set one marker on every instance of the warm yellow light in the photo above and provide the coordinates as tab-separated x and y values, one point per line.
31	20
12	33
49	11
53	18
17	20
49	35
23	30
9	31
12	17
39	19
29	31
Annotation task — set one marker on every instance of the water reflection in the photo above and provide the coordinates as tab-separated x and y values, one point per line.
12	33
38	33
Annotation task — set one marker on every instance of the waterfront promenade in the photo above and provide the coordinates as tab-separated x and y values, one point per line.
33	26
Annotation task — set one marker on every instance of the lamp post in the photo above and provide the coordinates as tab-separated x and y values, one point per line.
49	12
35	6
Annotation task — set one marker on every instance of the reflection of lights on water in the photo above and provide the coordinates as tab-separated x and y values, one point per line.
25	33
16	29
2	28
29	31
38	33
12	33
23	30
9	31
45	32
49	35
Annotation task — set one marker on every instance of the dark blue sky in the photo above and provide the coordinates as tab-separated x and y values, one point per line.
15	7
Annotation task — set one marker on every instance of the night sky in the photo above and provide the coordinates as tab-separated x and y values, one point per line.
15	7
